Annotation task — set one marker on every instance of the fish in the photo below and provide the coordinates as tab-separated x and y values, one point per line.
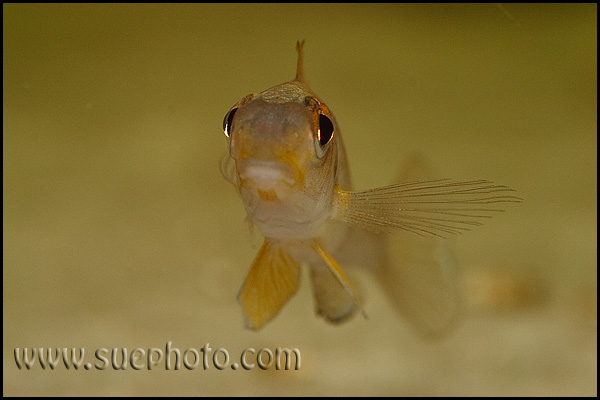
287	160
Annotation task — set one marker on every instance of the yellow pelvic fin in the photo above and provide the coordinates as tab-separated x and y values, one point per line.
339	275
272	280
331	299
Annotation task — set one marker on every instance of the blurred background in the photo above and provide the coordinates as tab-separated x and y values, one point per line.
119	230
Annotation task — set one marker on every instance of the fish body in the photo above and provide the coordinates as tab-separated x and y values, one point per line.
291	171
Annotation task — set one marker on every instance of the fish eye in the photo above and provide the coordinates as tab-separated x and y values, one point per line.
325	131
228	121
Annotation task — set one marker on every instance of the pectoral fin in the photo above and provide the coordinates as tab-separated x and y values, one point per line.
271	281
437	207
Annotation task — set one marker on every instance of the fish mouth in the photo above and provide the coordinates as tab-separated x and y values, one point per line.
273	195
269	180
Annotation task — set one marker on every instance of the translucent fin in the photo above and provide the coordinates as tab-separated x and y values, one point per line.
271	281
420	280
227	166
330	302
419	273
435	207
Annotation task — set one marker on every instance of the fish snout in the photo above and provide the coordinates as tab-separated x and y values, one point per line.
269	180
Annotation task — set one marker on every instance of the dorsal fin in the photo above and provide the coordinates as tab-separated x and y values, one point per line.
300	66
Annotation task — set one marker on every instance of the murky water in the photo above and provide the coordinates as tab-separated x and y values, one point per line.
119	230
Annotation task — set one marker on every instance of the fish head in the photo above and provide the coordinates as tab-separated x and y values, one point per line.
284	144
